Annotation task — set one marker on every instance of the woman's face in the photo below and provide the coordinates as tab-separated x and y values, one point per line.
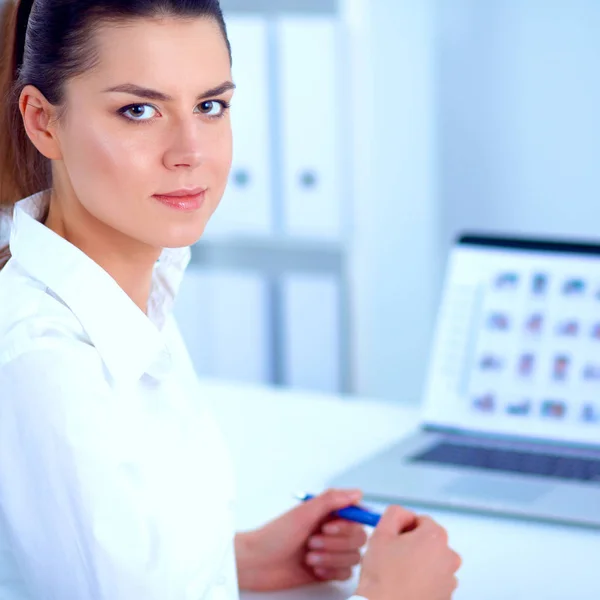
122	148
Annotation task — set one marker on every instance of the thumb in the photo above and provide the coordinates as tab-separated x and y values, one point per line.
320	507
395	520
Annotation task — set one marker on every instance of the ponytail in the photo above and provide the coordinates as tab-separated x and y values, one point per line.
23	170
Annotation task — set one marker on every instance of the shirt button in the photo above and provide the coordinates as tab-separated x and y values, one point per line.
221	580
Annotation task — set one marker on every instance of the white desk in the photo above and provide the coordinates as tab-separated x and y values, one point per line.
287	441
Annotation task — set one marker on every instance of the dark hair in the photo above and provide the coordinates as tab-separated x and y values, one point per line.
45	43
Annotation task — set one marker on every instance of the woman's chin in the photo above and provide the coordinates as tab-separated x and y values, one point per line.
180	237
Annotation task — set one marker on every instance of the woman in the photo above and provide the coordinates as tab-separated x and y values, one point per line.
114	482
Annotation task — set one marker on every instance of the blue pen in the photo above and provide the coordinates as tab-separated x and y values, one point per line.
351	513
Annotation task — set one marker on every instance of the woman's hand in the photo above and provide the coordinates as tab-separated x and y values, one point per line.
408	557
305	545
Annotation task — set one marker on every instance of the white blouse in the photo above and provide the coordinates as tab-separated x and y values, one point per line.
115	483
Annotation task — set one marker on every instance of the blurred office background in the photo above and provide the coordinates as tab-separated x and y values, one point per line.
368	134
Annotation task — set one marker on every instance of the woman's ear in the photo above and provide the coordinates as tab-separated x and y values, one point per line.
39	118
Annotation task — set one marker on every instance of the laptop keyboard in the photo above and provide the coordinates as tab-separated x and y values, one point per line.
513	461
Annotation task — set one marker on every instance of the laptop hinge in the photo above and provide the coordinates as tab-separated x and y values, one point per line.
512	440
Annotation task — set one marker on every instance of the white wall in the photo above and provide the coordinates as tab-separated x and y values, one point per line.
519	98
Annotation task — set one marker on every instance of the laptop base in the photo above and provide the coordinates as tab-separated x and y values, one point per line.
391	477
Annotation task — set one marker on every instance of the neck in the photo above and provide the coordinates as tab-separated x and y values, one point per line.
129	262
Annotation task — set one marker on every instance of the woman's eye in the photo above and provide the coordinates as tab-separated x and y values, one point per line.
212	108
138	112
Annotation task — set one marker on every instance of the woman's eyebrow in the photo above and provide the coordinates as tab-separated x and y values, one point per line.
149	94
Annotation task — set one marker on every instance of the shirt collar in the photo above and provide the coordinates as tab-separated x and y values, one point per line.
129	342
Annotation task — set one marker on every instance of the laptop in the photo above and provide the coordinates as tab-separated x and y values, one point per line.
510	422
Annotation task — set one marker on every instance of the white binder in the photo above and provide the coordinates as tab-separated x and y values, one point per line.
308	75
246	205
224	321
311	309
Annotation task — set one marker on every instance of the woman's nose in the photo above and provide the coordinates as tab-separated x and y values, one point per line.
187	148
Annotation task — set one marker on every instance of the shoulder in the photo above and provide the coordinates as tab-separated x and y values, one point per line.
50	376
33	320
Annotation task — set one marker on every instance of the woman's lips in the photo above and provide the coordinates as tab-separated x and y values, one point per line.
186	203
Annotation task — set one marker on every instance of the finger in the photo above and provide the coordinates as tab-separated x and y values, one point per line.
323	505
432	529
395	520
333	574
456	561
338	543
341	527
336	560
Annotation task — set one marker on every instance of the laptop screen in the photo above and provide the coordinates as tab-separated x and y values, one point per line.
517	344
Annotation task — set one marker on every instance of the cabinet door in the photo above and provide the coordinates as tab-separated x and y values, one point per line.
246	207
224	321
309	73
311	334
